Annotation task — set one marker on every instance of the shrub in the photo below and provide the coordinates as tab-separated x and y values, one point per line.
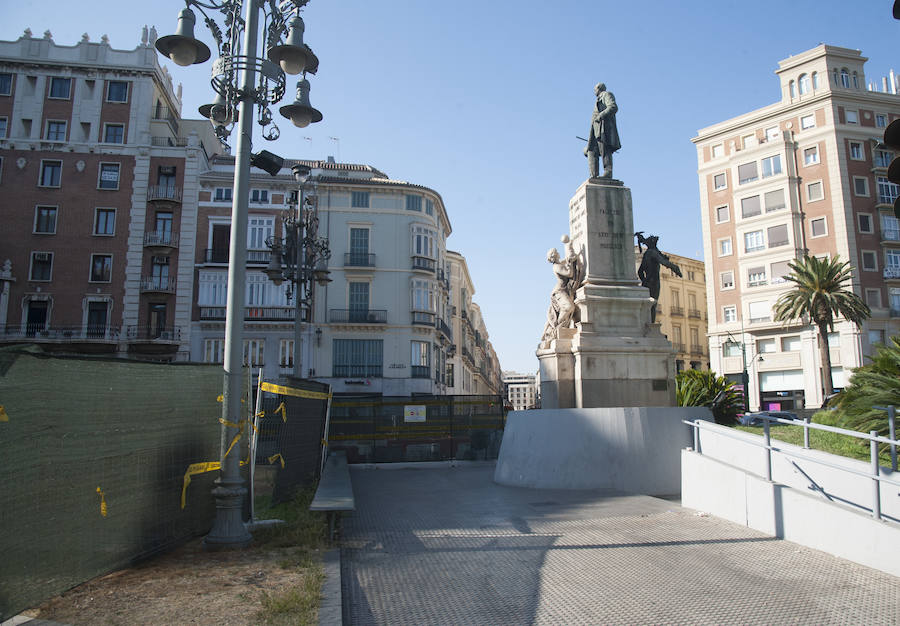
705	388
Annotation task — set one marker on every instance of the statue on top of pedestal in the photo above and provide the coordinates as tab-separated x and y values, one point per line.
603	138
569	272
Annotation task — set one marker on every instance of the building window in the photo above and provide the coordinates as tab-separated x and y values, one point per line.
429	207
286	353
815	80
852	117
750	207
258	230
892	259
117	91
718	151
51	172
756	276
359	246
747	173
5	84
731	349
749	141
45	220
807	121
887	191
777	235
880	120
60	87
780	270
811	155
792	87
223	194
113	133
861	186
414	203
774	200
772	134
260	196
759	311
883	158
765	346
41	266
423	241
213	350
359	199
725	247
423	296
729	314
358	299
254	352
803	83
753	241
869	261
726	279
856	151
56	131
109	176
873	300
722	214
105	222
101	268
864	222
3	127
771	166
357	357
719	182
814	191
845	78
817	227
890	228
421	367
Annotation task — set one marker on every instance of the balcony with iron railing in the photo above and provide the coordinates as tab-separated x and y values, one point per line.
251	313
678	347
445	330
423	264
359	259
420	371
164	192
676	311
468	355
166	114
696	349
154	333
89	333
158	284
890	234
161	242
695	314
357	316
169	142
356	371
892	272
423	318
895	312
221	255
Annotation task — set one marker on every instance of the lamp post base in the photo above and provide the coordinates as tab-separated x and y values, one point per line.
228	529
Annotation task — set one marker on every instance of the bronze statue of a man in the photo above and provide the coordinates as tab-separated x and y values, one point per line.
648	272
603	139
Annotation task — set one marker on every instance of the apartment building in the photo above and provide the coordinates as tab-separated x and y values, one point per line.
521	390
681	311
383	325
806	174
98	174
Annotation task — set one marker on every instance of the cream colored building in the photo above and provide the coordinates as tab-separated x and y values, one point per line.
521	390
807	174
681	311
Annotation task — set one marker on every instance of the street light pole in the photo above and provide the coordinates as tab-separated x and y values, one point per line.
238	93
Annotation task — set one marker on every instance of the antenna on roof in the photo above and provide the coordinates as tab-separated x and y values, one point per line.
337	144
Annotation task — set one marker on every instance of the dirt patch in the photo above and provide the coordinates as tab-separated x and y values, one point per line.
193	586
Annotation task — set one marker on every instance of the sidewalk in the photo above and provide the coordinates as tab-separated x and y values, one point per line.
449	546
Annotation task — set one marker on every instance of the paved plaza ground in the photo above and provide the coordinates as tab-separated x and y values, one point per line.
449	546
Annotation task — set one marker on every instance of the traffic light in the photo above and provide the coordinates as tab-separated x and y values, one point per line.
892	140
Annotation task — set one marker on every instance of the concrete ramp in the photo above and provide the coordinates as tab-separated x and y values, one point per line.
635	449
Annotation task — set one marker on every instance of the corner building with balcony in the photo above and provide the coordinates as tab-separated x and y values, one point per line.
98	174
807	174
382	326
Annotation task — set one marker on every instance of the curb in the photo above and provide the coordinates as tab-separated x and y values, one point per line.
331	607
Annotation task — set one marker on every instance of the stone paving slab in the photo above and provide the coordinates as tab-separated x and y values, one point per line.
449	546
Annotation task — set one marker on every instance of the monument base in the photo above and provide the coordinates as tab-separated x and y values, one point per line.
629	449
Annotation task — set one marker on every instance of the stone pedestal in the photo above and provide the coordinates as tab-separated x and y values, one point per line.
619	359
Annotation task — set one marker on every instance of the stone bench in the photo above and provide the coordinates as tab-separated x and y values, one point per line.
335	492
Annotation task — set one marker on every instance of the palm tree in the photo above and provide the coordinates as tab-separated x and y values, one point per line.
820	294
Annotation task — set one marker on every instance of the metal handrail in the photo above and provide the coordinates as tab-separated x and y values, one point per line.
872	437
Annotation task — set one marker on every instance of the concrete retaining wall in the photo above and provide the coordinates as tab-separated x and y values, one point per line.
726	480
631	449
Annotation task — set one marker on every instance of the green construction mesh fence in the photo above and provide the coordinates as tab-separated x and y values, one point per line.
93	455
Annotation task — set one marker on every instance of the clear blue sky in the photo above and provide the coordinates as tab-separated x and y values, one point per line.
482	101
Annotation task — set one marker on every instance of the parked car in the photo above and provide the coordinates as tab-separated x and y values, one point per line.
752	419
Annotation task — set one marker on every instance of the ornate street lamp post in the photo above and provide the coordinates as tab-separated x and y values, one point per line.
244	83
300	257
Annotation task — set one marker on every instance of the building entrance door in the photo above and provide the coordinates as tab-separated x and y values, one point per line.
36	319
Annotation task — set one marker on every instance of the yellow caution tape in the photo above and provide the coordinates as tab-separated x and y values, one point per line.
291	391
325	443
220	397
283	410
4	417
102	502
196	468
277	456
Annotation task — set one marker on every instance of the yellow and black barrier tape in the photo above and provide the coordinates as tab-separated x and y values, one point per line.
283	410
277	457
292	391
197	468
103	509
4	416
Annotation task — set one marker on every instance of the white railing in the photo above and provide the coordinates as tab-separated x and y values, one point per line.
872	437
